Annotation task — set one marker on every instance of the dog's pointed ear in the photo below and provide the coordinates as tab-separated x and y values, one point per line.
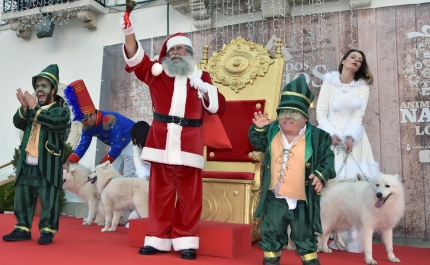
398	177
106	164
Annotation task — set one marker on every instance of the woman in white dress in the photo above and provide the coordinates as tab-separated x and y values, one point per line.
340	110
139	133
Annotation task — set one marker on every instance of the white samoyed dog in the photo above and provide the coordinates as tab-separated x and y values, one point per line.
76	181
118	193
373	206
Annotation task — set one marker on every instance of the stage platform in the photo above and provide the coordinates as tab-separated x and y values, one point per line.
77	244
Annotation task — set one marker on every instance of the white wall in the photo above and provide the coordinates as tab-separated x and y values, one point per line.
79	55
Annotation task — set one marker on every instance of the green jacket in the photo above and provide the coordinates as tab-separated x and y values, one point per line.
319	160
55	127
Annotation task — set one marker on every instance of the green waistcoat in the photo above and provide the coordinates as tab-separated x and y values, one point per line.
55	127
319	160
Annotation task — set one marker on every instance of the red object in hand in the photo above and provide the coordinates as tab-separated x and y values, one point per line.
127	22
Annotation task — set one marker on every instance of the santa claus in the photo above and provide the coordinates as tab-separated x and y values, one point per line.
180	94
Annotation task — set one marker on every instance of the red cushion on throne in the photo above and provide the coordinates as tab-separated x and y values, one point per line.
236	121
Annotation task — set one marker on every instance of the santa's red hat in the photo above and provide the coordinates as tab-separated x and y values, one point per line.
173	40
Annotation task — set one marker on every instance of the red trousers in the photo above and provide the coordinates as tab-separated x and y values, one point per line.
171	223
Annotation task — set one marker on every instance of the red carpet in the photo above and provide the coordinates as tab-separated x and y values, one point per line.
77	244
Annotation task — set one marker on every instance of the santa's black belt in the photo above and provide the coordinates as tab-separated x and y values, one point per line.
177	120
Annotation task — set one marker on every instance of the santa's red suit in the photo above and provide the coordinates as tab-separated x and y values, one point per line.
175	151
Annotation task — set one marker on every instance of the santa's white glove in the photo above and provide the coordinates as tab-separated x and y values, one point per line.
198	83
130	29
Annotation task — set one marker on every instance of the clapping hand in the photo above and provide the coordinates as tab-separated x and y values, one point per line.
22	99
31	100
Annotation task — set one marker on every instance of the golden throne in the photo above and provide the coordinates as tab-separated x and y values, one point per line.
250	80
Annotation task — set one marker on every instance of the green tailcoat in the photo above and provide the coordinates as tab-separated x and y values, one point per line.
55	127
319	160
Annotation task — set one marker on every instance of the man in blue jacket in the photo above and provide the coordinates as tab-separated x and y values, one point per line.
111	128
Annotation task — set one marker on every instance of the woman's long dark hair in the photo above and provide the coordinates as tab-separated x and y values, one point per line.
139	133
363	72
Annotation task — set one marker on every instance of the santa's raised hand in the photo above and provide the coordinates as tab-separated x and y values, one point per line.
127	21
126	24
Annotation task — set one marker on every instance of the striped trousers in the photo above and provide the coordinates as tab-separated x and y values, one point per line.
30	184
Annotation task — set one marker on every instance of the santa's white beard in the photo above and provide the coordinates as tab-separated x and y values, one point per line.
185	66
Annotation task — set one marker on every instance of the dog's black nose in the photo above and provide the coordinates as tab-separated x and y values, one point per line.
88	178
64	181
379	194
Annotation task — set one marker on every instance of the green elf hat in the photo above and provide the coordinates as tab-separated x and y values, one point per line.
51	73
296	96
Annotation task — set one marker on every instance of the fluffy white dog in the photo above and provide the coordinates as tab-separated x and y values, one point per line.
76	181
119	193
371	206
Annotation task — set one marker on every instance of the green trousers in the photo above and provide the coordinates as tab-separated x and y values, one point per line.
276	218
30	184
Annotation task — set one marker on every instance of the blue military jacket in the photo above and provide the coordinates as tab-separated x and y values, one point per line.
111	128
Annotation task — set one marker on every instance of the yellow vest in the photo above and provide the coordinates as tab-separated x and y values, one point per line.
293	177
33	142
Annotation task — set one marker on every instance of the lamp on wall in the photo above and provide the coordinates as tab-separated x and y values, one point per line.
45	29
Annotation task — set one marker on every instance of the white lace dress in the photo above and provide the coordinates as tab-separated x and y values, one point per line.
340	111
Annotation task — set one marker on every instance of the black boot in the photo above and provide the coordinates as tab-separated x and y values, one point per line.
189	254
314	262
45	238
17	235
148	250
270	261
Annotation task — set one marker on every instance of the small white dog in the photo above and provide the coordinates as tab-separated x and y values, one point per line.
118	193
371	206
76	181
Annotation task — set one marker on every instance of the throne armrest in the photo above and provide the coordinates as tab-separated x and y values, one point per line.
257	159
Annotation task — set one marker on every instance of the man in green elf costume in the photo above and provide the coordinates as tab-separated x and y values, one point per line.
45	120
298	162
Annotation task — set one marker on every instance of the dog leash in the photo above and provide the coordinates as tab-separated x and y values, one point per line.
340	147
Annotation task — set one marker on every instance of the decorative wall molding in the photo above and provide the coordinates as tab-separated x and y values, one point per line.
202	11
89	18
85	11
24	34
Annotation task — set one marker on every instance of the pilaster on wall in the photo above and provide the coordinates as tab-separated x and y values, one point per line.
275	8
182	6
200	13
354	4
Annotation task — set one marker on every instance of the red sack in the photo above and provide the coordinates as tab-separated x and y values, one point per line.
214	133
